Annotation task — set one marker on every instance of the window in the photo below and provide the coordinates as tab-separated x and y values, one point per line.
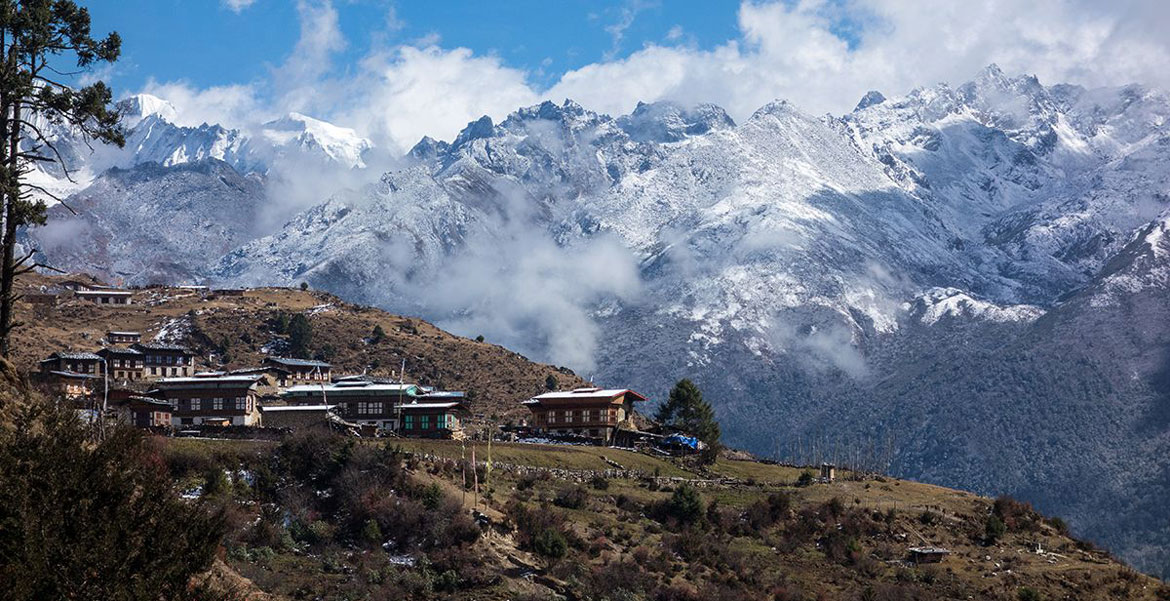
369	408
410	422
241	404
424	422
217	404
194	404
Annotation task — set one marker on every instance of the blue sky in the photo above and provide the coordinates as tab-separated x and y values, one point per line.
396	70
206	43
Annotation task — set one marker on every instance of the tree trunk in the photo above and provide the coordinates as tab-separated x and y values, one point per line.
8	258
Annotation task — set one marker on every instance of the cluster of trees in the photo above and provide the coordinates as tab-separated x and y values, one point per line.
86	518
299	331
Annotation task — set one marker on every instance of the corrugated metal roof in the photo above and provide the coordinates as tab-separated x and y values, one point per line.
298	408
209	380
80	355
162	346
587	393
407	406
298	362
73	374
409	389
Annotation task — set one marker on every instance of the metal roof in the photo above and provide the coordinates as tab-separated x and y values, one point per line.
351	388
587	393
444	394
73	374
116	350
406	406
105	292
298	362
117	333
298	408
162	346
209	380
72	355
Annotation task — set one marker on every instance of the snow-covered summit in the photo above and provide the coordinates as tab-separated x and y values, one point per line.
297	132
134	109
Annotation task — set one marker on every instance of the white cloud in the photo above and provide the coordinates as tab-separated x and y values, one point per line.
238	6
789	50
399	93
230	106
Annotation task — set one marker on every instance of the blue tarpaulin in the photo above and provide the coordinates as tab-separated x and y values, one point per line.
679	439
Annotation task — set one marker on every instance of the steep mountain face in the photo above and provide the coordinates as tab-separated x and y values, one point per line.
153	224
954	274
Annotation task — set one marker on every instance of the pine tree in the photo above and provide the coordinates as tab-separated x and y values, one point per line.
685	410
300	336
37	37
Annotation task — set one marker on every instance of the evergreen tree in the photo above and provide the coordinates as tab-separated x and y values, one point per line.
85	519
685	410
379	334
37	38
300	336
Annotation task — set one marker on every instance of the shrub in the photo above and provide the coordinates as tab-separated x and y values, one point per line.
685	505
68	503
1028	594
371	533
550	543
599	482
993	529
805	479
573	497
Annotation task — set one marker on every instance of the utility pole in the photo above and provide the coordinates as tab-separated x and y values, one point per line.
105	397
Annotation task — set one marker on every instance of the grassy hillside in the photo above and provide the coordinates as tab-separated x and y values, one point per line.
555	528
239	331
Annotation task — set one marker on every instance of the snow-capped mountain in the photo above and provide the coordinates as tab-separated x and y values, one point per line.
152	136
928	265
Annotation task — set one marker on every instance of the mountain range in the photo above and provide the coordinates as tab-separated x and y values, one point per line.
967	282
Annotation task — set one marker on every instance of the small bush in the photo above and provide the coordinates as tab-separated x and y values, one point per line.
806	478
685	505
573	497
1028	594
993	529
599	482
550	543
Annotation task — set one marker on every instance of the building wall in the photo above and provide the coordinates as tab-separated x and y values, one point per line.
428	423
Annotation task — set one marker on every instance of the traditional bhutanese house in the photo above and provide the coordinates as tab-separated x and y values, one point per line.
360	402
230	292
301	371
79	363
143	411
69	384
590	412
212	399
123	364
434	415
117	337
275	376
299	416
105	296
165	360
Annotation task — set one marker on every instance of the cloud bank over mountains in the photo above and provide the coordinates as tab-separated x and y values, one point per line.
821	54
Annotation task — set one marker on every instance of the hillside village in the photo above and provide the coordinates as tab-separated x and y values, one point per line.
163	385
